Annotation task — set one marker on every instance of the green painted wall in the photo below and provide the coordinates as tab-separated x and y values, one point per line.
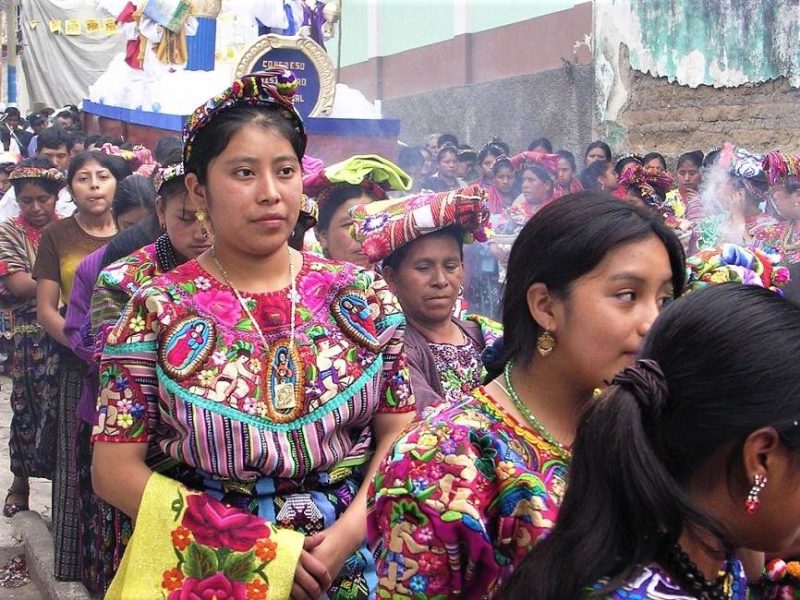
487	14
407	24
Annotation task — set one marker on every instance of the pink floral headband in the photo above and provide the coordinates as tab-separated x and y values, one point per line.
167	173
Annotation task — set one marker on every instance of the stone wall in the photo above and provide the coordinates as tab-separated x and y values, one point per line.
672	118
557	104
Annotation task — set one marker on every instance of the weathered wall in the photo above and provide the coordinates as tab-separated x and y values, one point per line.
673	75
556	103
672	118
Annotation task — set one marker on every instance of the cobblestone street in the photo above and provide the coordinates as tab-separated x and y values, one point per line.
10	545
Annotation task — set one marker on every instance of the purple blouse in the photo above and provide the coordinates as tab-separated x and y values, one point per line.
77	329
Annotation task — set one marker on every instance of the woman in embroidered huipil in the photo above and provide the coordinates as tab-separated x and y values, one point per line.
36	183
464	495
274	380
689	457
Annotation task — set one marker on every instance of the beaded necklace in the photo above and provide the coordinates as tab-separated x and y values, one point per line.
726	586
285	390
560	450
165	254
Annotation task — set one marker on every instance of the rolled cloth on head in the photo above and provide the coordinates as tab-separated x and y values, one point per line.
355	171
385	226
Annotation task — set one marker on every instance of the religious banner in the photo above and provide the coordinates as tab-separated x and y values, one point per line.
306	59
110	26
55	25
92	25
72	27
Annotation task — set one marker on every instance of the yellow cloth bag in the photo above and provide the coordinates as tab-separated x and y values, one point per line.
188	541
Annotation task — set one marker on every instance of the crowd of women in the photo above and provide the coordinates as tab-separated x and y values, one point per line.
251	375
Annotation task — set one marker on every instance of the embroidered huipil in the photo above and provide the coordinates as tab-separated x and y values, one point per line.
185	368
460	500
282	432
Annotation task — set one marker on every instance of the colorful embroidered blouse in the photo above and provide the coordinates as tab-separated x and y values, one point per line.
775	236
652	582
115	286
185	368
19	241
460	500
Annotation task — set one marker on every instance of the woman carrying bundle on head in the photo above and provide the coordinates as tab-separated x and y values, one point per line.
775	231
464	495
272	380
421	243
741	188
341	186
688	457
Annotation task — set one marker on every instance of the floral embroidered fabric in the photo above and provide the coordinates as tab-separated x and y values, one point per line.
460	368
460	500
184	367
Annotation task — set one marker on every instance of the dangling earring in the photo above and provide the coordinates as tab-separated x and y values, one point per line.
201	215
752	502
545	343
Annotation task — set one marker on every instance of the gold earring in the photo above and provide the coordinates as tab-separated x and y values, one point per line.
201	215
545	343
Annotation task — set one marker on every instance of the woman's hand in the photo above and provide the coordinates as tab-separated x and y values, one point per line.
312	578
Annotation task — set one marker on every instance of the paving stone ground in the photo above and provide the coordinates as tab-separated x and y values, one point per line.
40	501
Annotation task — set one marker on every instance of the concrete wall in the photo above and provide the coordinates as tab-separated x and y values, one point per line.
401	25
553	103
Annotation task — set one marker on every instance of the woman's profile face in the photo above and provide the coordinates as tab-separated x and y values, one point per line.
337	242
601	324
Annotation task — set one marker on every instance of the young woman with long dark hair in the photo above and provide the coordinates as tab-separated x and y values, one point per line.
466	493
689	456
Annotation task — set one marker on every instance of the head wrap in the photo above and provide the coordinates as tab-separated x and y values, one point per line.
549	162
271	88
51	174
781	167
139	158
634	175
732	263
623	157
747	168
384	226
167	173
371	172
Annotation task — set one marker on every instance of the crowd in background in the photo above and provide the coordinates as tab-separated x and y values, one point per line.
403	379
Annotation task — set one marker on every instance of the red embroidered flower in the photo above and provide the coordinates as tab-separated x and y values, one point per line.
273	311
172	580
257	590
216	586
181	538
219	526
265	550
